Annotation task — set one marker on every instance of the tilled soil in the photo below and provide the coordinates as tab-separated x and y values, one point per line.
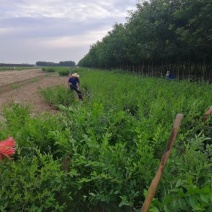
23	87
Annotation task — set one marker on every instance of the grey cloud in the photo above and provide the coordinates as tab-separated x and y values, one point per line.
25	21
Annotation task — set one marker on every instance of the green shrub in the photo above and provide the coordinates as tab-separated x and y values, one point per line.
34	131
32	184
48	69
64	72
110	145
57	95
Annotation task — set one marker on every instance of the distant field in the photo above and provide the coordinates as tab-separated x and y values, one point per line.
12	76
17	68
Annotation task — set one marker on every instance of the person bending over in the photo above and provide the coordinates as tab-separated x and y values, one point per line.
75	84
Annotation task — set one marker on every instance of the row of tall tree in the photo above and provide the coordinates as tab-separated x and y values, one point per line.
61	63
160	35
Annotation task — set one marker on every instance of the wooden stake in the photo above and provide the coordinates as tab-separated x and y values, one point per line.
156	179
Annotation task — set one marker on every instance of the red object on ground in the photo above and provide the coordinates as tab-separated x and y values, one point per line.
7	148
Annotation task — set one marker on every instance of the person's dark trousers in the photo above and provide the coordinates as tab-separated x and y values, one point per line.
78	92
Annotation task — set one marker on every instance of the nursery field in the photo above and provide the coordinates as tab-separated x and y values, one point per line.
101	154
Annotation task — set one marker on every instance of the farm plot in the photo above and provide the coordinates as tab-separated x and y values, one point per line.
23	87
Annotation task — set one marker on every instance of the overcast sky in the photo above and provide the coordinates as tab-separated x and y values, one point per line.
56	30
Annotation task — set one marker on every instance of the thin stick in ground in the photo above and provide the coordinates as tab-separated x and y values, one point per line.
156	179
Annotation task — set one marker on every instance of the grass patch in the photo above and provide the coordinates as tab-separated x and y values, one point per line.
15	85
57	95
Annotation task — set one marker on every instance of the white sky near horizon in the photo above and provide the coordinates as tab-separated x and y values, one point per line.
56	30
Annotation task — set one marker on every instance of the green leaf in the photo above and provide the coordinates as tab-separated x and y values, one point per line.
154	209
179	183
204	198
85	180
92	194
165	208
192	202
123	203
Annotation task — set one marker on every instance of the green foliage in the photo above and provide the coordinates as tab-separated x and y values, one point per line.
159	35
57	95
64	72
61	63
192	189
16	68
32	184
34	131
101	154
104	161
48	69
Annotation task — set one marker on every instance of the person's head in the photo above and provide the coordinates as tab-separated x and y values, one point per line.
167	73
75	75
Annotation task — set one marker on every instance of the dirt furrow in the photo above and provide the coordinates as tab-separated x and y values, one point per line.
25	90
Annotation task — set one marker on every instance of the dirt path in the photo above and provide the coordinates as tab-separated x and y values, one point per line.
23	87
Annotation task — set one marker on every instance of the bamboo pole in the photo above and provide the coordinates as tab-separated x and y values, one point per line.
207	113
156	179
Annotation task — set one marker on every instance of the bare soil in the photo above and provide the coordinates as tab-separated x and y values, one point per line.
23	87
